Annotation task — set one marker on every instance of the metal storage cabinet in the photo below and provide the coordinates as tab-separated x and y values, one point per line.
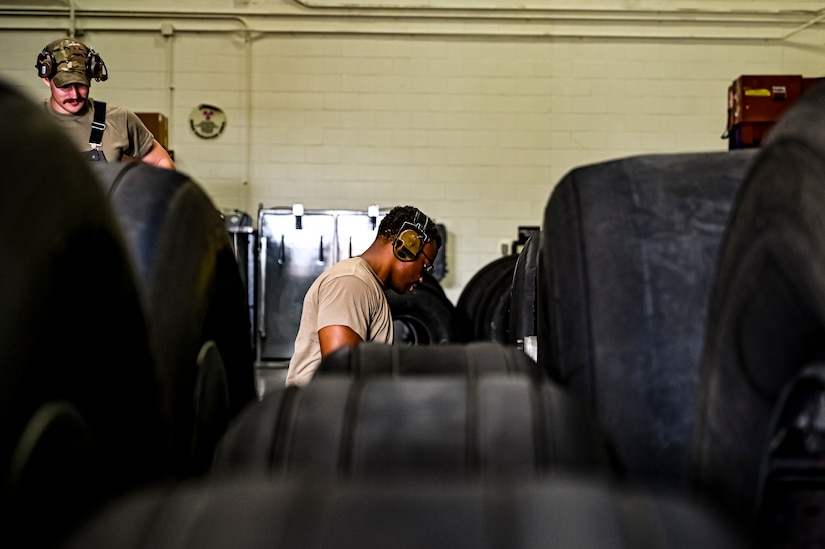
355	232
293	250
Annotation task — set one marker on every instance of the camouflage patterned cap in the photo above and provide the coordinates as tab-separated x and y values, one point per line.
70	62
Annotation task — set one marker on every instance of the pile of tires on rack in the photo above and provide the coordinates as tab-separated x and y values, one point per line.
677	302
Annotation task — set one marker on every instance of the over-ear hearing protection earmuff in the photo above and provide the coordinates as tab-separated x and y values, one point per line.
411	238
47	63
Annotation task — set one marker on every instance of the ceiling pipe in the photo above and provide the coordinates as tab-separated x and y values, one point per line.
812	22
72	28
613	13
535	23
355	10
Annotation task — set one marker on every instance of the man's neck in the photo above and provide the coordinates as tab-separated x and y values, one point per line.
378	259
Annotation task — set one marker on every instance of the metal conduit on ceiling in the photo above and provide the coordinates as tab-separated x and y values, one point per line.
330	16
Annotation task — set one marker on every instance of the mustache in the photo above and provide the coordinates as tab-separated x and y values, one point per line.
74	100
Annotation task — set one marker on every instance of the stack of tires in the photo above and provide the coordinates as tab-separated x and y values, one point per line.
194	301
628	257
499	301
483	305
676	400
680	297
419	446
124	334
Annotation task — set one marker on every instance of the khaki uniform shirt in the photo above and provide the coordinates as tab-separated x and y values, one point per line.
348	294
125	133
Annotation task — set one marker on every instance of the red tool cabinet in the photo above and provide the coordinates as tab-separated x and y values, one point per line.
756	102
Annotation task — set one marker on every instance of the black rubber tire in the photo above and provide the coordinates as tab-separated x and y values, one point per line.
790	506
522	312
495	426
244	240
470	359
479	304
628	254
79	412
767	314
249	513
493	319
193	293
430	282
424	316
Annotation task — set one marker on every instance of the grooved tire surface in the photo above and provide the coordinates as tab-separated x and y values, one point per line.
767	315
493	426
79	412
629	249
251	513
471	359
522	312
193	293
481	305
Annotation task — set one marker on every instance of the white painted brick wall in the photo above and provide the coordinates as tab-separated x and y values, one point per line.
474	130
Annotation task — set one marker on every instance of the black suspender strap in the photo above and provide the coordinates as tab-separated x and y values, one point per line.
98	125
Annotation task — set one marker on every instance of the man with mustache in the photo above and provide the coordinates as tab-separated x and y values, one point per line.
102	132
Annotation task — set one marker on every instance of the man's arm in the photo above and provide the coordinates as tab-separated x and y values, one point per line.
335	336
158	156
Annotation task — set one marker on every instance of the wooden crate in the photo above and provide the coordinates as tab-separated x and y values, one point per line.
158	124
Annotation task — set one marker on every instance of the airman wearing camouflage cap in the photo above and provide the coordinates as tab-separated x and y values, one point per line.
101	132
68	61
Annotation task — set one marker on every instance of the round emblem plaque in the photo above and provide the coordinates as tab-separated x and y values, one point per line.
207	121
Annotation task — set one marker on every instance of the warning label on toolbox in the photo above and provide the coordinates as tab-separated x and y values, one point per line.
759	92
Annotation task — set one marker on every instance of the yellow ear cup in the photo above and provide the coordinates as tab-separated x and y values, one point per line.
407	245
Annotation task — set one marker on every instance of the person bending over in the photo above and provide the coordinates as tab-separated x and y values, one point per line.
346	304
104	133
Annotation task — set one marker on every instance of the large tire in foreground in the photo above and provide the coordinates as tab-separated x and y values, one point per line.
766	324
459	427
470	359
628	254
195	300
79	412
249	513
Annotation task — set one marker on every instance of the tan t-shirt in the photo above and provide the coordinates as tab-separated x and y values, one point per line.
125	133
348	294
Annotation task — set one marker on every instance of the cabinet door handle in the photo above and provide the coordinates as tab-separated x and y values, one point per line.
262	287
